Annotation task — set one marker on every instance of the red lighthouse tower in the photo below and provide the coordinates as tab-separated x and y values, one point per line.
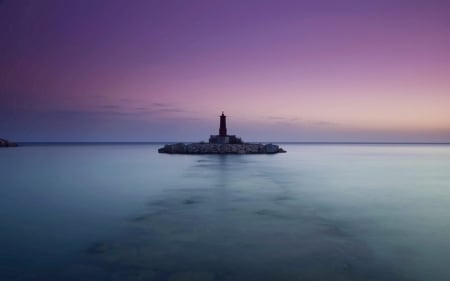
223	137
223	125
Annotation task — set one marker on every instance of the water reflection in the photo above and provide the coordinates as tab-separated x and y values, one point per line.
233	225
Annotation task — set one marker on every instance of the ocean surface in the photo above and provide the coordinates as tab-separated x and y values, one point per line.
318	212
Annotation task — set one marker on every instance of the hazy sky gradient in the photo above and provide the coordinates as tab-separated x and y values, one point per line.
281	70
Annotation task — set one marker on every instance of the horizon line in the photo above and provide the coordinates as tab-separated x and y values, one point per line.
281	142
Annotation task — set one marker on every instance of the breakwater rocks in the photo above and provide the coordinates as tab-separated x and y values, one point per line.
5	143
224	148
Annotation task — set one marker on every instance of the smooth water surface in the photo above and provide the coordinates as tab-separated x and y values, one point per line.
318	212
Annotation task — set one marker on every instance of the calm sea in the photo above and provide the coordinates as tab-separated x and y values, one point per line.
319	212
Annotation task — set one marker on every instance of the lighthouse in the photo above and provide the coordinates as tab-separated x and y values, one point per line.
223	143
223	125
223	137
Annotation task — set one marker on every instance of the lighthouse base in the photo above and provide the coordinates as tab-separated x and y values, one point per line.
231	139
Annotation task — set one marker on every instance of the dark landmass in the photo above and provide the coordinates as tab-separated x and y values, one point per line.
221	144
221	148
6	143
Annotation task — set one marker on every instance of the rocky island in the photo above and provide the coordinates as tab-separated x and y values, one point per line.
6	143
221	144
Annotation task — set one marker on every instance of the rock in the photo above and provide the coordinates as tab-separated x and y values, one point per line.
179	148
5	143
226	148
271	148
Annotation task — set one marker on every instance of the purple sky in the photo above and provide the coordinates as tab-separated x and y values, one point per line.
281	70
